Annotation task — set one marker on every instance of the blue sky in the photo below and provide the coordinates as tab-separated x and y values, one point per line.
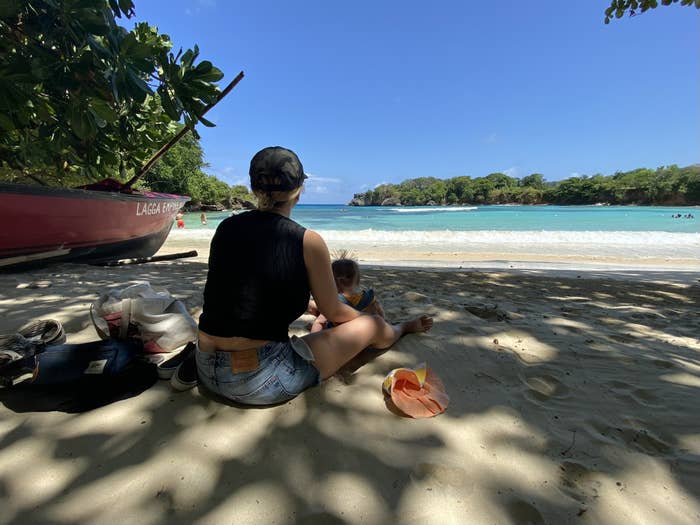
373	92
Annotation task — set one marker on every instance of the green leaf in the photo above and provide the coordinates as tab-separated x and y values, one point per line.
80	123
127	7
99	121
138	88
212	75
103	110
203	67
187	58
141	51
168	104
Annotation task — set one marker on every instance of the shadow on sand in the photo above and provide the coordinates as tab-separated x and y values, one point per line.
164	458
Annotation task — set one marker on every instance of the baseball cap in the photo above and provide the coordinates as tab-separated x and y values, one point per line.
276	169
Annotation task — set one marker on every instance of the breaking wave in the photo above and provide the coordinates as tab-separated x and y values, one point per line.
644	244
435	209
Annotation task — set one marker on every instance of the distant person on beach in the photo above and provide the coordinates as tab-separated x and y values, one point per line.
179	218
346	273
203	218
262	268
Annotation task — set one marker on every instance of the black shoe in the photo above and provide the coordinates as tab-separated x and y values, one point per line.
185	376
167	368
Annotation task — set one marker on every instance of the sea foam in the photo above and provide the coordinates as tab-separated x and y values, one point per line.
435	209
644	244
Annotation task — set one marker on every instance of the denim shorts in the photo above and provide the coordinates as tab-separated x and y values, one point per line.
286	369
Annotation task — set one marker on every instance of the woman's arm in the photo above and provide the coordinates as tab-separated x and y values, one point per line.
318	267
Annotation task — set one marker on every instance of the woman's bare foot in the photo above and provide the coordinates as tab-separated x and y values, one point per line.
420	324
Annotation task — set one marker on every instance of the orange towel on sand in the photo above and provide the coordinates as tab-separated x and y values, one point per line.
416	392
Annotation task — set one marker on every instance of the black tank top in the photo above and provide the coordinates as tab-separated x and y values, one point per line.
257	282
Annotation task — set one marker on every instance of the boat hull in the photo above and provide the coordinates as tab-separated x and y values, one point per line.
38	222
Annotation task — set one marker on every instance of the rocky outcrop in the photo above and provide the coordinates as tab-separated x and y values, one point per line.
357	201
234	204
192	207
391	201
212	207
240	204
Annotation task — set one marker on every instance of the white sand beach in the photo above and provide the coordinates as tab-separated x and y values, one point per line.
573	400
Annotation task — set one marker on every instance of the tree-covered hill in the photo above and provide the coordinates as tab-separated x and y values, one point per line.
668	185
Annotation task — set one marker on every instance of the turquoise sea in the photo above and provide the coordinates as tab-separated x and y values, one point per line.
627	231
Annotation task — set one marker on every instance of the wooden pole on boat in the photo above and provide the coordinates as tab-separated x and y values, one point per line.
155	258
181	134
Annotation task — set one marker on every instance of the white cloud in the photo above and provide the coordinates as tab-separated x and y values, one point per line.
383	182
316	184
575	174
316	178
491	138
512	172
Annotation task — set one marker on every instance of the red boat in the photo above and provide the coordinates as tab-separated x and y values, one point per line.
89	224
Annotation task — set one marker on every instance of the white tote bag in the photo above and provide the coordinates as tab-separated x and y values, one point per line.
156	318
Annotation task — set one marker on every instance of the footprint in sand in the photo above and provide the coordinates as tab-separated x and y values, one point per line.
662	363
627	391
576	482
521	511
544	387
645	397
639	439
490	313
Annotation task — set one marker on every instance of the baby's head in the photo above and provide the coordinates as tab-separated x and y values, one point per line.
346	273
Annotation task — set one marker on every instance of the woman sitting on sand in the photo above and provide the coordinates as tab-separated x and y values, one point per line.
262	267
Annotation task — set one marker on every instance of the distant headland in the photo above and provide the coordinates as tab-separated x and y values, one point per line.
664	186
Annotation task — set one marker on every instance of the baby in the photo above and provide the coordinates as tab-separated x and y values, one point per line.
347	281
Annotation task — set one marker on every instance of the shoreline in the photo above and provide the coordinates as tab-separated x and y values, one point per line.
453	260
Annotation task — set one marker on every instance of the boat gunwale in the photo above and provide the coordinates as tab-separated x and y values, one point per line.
79	193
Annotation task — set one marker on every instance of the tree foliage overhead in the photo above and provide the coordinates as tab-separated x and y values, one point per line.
666	185
618	8
81	94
